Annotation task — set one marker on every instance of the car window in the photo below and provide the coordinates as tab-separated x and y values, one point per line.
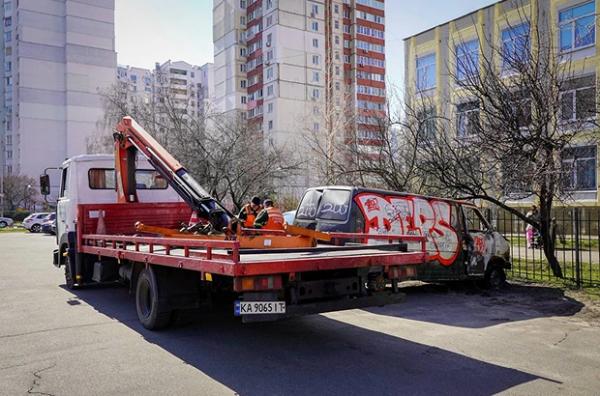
474	220
335	205
309	205
145	179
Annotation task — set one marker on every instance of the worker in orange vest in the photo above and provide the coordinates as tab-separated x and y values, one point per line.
270	218
249	212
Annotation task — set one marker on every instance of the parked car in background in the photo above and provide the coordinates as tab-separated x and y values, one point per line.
289	216
49	221
5	222
34	221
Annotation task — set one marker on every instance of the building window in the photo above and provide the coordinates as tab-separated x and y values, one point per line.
243	67
270	125
270	55
269	4
243	99
8	51
316	93
336	24
314	10
337	70
579	164
315	76
270	90
8	21
336	9
7	37
426	72
242	83
269	20
467	59
467	119
578	99
337	39
242	51
315	43
427	121
269	73
515	46
315	26
577	26
8	67
242	3
270	108
315	59
337	85
316	127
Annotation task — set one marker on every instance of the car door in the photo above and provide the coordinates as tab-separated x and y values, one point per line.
479	240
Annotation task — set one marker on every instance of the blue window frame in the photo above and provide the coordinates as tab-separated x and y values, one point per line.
577	26
467	59
515	45
426	72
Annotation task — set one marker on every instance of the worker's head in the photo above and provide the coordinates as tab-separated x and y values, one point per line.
255	202
268	203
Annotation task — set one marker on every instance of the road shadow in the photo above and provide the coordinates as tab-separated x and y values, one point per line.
312	355
463	304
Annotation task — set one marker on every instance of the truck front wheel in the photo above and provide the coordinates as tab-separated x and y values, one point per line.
152	308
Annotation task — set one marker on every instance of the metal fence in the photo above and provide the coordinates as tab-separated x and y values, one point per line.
577	245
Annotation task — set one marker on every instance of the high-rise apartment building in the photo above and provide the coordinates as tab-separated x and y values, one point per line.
190	87
294	67
57	56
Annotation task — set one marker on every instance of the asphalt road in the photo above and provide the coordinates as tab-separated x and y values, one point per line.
525	340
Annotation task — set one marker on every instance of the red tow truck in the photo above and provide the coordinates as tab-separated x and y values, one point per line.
199	267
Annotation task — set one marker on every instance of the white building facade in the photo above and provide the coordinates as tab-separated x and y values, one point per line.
58	56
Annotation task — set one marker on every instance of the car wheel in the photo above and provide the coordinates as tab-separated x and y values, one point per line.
495	278
35	228
3	224
153	311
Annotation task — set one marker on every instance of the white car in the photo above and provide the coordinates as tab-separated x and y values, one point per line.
5	222
34	221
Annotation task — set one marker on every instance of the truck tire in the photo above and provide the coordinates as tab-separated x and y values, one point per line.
153	312
69	282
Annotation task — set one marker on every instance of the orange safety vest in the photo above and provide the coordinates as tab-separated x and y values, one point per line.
275	221
250	216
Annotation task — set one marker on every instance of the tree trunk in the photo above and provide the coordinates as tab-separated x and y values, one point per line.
546	233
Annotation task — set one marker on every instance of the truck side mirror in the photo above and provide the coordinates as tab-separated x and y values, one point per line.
45	184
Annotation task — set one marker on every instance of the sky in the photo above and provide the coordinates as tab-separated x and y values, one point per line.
149	31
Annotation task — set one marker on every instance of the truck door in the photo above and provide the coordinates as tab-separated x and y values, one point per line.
62	206
478	240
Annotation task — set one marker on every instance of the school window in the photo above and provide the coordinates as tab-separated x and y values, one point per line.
315	43
426	72
578	99
427	129
467	119
579	165
515	46
577	26
467	59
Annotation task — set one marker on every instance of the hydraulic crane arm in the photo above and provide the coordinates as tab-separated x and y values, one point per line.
131	138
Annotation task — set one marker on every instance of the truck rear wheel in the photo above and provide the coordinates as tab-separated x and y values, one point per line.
152	308
69	282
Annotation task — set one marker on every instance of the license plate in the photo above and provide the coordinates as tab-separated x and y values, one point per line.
258	307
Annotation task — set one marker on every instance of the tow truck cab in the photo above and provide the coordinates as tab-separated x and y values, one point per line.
90	179
461	244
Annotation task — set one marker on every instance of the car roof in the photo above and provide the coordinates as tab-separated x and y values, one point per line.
359	190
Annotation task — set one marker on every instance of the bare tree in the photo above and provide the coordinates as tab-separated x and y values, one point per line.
508	125
230	159
19	191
